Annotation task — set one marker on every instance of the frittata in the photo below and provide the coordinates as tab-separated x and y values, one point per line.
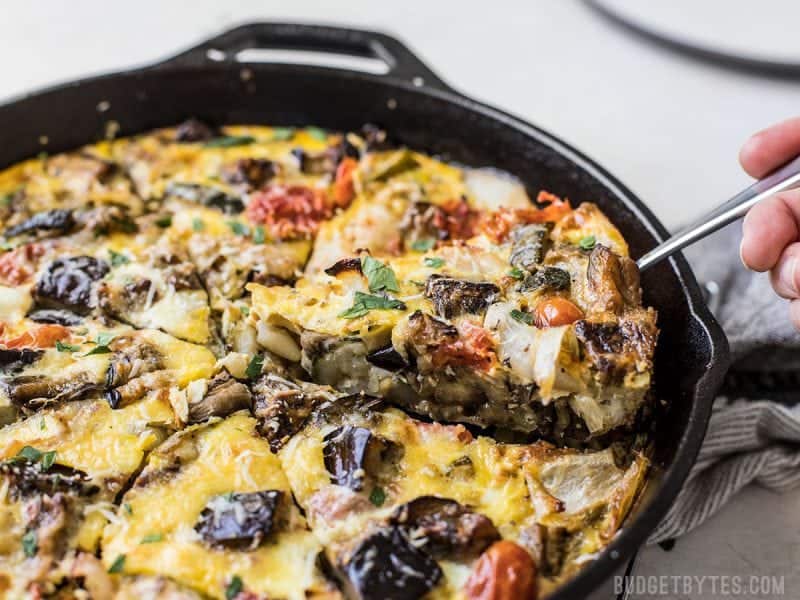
268	362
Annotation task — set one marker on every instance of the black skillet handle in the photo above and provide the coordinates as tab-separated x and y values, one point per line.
401	62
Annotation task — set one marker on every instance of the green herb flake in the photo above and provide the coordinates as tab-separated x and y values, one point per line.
363	303
43	424
98	350
228	496
164	222
282	134
198	224
117	565
230	141
587	243
255	366
522	317
234	588
117	258
152	538
48	458
238	228
423	245
259	235
245	310
29	543
104	338
434	262
62	347
5	199
317	133
127	508
377	496
30	453
516	273
380	277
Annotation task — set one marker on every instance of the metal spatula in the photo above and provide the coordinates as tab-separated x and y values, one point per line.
783	178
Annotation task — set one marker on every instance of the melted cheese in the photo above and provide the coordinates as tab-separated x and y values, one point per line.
221	457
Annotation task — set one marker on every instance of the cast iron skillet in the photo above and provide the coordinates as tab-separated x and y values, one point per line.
420	110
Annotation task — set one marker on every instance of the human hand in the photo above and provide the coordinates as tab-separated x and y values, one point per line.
771	236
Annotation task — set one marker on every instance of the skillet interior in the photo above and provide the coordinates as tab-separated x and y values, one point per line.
692	352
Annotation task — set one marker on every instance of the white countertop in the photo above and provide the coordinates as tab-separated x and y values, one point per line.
668	127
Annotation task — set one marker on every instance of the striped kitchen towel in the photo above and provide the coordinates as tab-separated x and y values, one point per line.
754	432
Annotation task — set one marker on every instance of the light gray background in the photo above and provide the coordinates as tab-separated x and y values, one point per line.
668	127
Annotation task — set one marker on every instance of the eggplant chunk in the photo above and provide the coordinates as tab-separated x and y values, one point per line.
615	348
57	221
34	391
67	283
453	297
27	479
387	358
194	130
444	528
613	281
243	520
18	357
528	246
225	396
551	279
55	315
387	566
206	196
352	454
252	172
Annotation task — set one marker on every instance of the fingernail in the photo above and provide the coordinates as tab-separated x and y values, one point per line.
786	274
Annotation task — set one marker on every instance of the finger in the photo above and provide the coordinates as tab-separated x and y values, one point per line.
770	148
794	313
768	228
785	276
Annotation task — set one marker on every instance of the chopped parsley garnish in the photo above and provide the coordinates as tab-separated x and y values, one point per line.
238	228
127	508
164	222
229	141
433	262
516	273
102	340
117	565
5	199
587	243
255	366
317	133
117	258
234	588
152	538
522	317
48	458
62	347
282	134
45	459
198	224
380	277
43	424
245	310
423	245
228	496
364	303
259	235
29	543
377	496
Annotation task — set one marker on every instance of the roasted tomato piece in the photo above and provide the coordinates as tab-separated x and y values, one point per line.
352	454
242	520
456	220
444	528
67	283
556	311
289	212
40	336
17	266
387	566
504	572
499	224
343	185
